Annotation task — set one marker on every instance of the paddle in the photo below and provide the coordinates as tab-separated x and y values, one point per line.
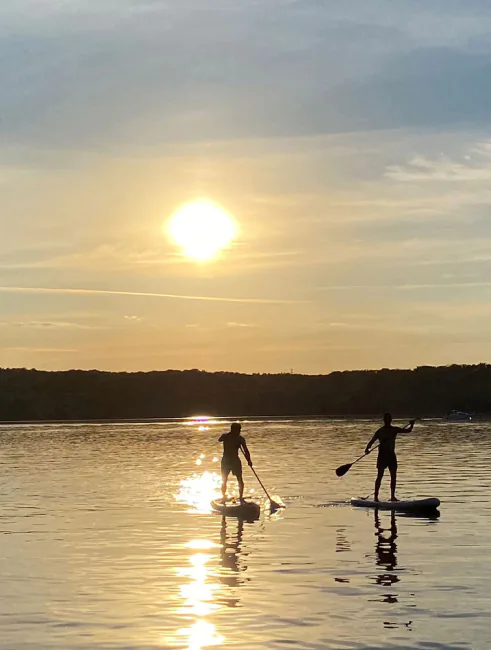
344	469
272	504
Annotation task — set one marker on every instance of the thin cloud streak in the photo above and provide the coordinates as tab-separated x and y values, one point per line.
42	350
410	287
96	292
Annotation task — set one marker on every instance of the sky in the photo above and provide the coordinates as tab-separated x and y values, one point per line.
349	141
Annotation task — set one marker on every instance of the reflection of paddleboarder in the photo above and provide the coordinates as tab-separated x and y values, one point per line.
387	458
231	560
230	551
386	550
232	442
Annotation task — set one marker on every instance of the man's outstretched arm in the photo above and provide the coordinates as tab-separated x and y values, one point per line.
409	427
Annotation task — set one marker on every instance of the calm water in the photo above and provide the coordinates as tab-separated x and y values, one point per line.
106	542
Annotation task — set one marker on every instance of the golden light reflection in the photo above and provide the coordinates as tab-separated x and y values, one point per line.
212	576
199	490
201	635
201	422
201	544
198	595
201	229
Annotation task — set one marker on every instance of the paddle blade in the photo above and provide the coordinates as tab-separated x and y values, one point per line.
275	503
341	471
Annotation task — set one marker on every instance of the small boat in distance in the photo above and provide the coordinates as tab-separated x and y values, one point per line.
458	416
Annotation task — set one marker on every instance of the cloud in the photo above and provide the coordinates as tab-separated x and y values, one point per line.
405	287
159	72
96	292
420	169
48	325
41	350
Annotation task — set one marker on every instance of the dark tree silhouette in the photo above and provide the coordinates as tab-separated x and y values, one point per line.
84	395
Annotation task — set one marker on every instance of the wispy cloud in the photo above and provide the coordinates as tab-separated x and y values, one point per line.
145	294
475	166
404	287
34	349
35	324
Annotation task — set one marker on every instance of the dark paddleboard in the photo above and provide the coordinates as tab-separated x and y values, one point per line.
246	510
416	505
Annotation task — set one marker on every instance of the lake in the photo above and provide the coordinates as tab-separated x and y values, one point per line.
107	540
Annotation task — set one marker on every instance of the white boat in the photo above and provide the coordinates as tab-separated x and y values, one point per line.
458	416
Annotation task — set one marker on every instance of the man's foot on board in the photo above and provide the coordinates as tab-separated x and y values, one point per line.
394	499
376	499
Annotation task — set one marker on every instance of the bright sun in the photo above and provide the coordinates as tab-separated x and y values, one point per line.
201	229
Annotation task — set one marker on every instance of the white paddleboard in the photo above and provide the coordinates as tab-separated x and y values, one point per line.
246	510
414	505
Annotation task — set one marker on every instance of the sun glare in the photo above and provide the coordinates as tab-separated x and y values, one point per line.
201	229
199	490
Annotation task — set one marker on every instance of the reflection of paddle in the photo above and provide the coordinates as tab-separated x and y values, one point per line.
272	504
344	469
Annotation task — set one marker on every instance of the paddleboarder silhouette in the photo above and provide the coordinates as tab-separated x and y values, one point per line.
387	458
232	442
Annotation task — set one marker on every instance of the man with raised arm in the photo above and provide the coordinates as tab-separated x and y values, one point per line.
387	458
232	442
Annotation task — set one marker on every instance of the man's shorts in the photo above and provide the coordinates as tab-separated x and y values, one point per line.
387	461
231	465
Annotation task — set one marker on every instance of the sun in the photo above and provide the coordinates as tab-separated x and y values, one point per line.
201	229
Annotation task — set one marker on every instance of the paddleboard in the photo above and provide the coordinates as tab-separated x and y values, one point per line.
246	510
407	506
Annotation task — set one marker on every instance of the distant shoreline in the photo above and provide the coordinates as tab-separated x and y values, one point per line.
78	397
225	419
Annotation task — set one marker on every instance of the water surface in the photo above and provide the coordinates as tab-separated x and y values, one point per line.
107	542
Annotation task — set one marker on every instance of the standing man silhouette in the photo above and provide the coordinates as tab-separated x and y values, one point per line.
232	442
387	458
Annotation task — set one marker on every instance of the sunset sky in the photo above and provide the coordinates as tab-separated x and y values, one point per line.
349	142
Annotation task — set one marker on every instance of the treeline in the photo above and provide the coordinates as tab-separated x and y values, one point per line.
83	395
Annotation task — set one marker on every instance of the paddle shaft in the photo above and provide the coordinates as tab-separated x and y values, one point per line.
259	480
365	454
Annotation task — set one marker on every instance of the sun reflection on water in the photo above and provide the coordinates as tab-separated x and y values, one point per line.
199	490
198	593
201	635
211	567
199	598
201	544
201	421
